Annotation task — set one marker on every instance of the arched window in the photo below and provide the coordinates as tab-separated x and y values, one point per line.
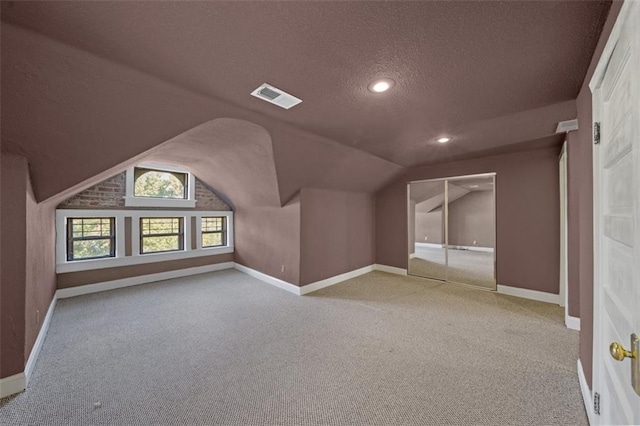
157	185
160	184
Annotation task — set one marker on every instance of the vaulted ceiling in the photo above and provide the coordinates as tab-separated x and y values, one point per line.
88	85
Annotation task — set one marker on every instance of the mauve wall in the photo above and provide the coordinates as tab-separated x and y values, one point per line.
2	307
74	279
581	165
471	219
28	268
40	277
337	233
528	224
267	239
13	263
429	227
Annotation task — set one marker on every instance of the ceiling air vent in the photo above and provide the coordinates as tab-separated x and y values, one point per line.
567	126
275	96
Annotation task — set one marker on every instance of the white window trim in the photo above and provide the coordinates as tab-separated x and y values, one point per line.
199	216
63	265
131	201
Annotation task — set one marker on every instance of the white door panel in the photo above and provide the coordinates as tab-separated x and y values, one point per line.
616	99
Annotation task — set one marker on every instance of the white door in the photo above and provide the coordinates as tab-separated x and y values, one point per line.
616	106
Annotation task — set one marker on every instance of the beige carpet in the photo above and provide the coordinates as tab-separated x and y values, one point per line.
465	266
226	349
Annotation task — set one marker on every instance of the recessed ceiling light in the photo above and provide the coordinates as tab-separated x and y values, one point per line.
382	85
444	140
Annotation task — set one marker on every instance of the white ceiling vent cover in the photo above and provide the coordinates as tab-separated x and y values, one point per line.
567	126
275	96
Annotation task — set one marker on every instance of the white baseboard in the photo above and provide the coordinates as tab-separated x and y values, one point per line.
306	289
572	323
42	334
142	279
470	248
473	248
432	245
291	288
586	394
529	294
12	384
335	280
412	255
389	269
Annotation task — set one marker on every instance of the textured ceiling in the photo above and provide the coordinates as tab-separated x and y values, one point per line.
491	74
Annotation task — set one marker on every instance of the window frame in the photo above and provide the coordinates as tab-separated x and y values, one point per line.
180	234
223	231
191	250
130	200
229	228
70	239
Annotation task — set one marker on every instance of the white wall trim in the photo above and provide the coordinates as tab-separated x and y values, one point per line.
85	265
291	288
141	279
64	266
472	248
12	384
529	294
309	288
586	394
572	323
433	245
389	269
306	289
37	346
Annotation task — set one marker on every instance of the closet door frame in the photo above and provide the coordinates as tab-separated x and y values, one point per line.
445	180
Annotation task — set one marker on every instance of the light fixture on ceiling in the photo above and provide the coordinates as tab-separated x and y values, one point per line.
382	85
474	186
444	139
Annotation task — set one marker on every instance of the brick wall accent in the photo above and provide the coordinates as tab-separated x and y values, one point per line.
207	200
110	194
107	194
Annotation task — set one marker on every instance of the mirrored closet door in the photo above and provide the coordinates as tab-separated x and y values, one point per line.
452	230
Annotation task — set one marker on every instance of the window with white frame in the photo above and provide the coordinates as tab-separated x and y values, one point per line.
161	234
160	184
214	231
94	239
90	238
157	185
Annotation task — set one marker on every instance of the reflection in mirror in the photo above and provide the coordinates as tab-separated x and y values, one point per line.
471	231
427	255
452	230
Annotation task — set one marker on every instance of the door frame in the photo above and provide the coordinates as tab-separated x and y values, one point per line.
571	322
594	84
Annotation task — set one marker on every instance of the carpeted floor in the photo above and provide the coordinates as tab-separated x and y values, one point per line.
465	266
226	349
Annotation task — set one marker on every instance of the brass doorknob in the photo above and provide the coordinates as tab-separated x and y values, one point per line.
619	353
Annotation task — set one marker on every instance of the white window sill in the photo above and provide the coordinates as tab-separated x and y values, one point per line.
113	262
158	202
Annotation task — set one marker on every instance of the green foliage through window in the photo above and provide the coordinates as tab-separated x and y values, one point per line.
90	238
214	231
159	184
160	234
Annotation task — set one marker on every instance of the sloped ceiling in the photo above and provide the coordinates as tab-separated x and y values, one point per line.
102	82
